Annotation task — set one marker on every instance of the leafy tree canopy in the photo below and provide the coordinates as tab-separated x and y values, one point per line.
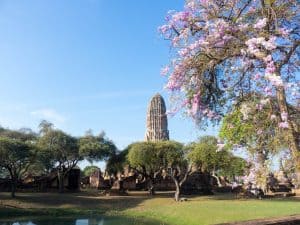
16	156
88	170
96	148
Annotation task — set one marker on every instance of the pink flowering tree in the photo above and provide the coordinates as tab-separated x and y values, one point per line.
224	50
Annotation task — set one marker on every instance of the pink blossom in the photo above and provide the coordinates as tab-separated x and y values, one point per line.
260	23
181	16
273	117
284	116
257	76
211	114
270	69
195	105
191	5
243	26
175	40
183	52
204	2
270	44
227	38
259	107
201	31
274	80
163	29
220	44
264	101
284	125
243	52
254	44
259	131
268	58
164	71
268	91
252	9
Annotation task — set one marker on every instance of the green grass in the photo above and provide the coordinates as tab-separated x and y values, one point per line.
149	211
212	211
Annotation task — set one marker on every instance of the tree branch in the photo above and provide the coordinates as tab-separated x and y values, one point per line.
289	55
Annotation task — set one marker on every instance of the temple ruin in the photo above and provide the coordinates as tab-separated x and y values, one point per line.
157	121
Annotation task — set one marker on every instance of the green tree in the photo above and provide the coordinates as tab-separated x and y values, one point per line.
117	162
15	156
248	126
96	147
233	166
23	134
206	155
60	151
144	158
174	160
89	170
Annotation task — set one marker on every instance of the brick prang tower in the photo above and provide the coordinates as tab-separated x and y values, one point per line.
157	121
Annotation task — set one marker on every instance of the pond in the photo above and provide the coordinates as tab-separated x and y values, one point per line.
79	221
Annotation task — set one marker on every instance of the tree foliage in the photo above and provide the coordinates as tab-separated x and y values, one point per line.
248	125
226	50
60	151
89	170
117	161
209	157
96	148
17	152
144	157
175	163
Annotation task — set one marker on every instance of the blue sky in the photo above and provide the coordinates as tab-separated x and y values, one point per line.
85	64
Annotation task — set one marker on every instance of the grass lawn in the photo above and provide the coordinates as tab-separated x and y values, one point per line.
146	210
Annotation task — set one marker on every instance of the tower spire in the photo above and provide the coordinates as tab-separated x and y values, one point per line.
157	122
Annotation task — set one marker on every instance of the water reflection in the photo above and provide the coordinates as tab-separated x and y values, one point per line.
67	221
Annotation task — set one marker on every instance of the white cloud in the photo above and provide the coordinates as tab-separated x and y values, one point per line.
49	114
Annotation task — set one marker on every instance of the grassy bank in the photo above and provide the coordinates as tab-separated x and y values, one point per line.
158	210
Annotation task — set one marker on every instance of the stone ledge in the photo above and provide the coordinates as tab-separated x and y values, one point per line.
288	220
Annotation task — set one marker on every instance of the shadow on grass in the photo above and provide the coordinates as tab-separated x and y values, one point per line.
69	204
82	200
53	208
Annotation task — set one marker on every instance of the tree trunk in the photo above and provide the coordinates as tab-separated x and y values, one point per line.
177	192
261	158
13	187
291	133
217	178
151	187
60	177
13	179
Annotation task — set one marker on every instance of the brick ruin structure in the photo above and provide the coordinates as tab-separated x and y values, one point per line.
44	183
157	122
